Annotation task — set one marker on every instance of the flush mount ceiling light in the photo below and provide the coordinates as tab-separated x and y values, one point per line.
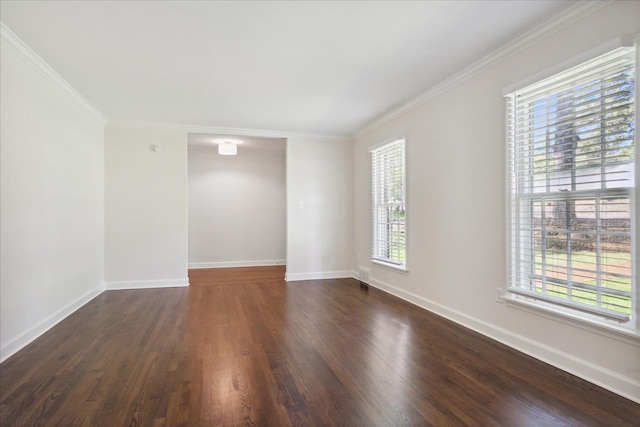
227	148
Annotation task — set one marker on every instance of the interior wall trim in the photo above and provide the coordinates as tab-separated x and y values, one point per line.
528	39
146	284
291	277
231	264
27	337
13	42
259	133
612	381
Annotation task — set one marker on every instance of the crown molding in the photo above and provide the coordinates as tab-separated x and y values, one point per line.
526	40
259	133
10	40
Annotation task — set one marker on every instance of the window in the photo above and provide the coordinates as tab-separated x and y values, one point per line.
388	201
571	172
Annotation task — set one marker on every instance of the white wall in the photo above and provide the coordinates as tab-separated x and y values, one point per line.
52	203
456	211
237	207
146	208
319	208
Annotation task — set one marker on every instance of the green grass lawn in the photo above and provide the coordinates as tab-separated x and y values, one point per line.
586	261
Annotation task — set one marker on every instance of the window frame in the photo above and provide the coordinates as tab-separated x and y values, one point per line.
375	258
529	303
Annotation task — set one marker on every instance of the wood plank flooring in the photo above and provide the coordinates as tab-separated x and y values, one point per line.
243	347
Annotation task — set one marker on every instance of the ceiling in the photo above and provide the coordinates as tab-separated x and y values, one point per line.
310	66
210	142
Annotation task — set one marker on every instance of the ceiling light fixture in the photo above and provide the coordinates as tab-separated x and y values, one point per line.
227	149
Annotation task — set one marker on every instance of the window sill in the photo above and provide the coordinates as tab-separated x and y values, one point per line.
390	266
586	322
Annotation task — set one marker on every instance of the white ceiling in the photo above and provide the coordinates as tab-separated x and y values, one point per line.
210	142
309	66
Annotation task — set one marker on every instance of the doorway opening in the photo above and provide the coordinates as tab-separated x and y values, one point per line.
236	203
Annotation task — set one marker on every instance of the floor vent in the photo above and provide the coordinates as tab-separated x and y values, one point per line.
363	274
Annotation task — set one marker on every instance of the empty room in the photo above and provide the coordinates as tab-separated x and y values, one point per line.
306	213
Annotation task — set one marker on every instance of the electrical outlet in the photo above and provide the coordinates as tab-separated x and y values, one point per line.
499	295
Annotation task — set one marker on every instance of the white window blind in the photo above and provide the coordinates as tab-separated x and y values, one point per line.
388	201
571	171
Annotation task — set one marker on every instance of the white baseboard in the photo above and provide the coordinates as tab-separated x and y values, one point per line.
18	343
318	275
229	264
602	377
146	284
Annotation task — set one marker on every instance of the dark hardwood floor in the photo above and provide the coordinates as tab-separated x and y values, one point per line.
243	347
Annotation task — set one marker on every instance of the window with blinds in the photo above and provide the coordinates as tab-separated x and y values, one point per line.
571	172
388	203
